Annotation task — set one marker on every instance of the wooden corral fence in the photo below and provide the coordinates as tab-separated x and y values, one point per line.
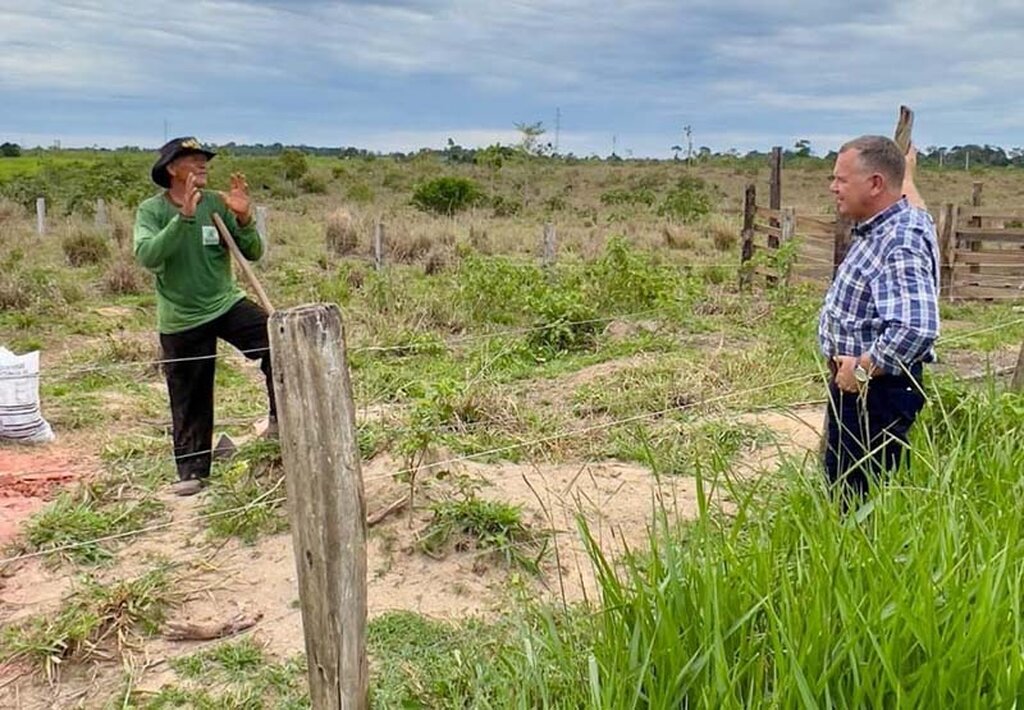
982	250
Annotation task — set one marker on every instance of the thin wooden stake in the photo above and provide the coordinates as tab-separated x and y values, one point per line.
41	215
378	246
549	244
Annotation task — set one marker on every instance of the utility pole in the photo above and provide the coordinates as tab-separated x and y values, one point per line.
558	127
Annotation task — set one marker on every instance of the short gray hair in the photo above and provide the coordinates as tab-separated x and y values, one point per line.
879	154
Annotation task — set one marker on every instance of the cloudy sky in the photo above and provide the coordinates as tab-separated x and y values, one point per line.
403	74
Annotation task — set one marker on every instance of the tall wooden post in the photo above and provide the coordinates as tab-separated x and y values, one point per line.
549	244
378	246
775	189
974	244
101	214
41	215
325	499
947	249
904	129
747	246
788	232
841	241
1017	383
775	199
261	224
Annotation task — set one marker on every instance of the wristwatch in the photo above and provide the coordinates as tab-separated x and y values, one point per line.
860	374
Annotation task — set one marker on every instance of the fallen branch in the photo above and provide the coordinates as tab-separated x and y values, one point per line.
210	630
394	507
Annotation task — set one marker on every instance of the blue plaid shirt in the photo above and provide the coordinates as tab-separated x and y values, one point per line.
884	298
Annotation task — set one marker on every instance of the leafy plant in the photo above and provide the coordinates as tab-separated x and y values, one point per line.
446	195
465	521
687	201
98	614
82	247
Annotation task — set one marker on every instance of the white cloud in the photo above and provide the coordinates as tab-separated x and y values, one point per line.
393	70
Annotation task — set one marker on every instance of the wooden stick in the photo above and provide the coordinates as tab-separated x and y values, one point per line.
904	129
243	263
393	507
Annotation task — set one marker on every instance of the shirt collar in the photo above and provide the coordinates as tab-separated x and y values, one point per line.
862	229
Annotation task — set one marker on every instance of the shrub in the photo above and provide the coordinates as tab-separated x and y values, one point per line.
124	277
313	184
506	207
626	196
341	233
360	192
294	164
85	247
447	195
566	322
11	210
687	201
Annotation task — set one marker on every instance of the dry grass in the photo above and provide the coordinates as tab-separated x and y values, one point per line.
340	233
83	245
124	277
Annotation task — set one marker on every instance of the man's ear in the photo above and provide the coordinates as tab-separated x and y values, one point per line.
877	184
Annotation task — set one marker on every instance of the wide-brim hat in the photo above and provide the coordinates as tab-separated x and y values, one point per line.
171	151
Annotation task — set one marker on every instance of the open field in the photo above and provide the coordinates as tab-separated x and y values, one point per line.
617	497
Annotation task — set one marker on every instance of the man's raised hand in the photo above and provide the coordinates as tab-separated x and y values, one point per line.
192	197
237	199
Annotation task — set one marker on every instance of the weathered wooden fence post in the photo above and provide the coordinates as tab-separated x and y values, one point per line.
775	199
41	215
775	192
101	214
378	246
261	224
747	236
788	233
975	245
947	250
325	499
549	244
1017	383
841	242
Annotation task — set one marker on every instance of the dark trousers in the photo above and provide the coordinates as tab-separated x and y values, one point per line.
866	435
190	381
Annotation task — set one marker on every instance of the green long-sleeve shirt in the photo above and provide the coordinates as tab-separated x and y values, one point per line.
194	280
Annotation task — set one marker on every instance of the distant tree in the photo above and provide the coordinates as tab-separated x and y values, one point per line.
530	141
676	149
10	150
802	148
294	163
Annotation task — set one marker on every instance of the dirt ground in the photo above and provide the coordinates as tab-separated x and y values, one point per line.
616	499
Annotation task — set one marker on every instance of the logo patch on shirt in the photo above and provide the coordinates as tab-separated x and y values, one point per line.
210	236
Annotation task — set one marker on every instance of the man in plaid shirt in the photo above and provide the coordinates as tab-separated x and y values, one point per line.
880	318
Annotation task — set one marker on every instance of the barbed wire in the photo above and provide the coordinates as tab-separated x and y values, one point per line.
427	347
264	498
451	461
468	427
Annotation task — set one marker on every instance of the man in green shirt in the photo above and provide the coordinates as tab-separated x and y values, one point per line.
198	300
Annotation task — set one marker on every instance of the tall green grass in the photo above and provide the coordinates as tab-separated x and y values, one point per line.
912	599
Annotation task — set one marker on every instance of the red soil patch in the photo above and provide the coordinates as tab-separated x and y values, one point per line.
31	476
